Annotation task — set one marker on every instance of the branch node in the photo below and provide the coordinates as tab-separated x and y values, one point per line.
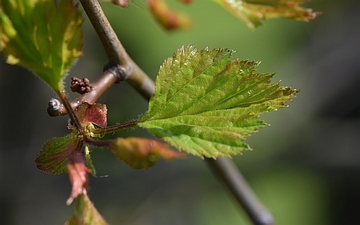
120	72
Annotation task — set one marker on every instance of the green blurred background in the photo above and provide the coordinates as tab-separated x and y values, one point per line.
305	167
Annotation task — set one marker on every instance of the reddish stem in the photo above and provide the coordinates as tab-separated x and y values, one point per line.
63	97
116	127
98	143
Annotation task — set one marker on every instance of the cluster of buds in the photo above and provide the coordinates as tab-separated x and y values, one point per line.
80	86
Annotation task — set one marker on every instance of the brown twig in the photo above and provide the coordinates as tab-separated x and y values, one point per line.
115	51
109	77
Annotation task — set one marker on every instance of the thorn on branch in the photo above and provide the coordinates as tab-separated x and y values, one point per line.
80	86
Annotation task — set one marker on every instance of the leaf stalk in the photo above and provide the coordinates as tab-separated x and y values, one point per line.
115	128
63	97
97	143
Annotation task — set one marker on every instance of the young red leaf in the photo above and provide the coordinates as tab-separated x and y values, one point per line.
54	154
78	173
167	17
92	113
142	152
85	213
253	12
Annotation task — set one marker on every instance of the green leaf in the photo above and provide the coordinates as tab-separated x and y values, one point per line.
42	36
85	213
54	154
253	12
207	105
142	152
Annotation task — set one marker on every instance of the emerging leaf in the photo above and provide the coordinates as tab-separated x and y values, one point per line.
142	152
85	213
92	113
253	12
167	17
54	154
78	173
42	36
207	105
